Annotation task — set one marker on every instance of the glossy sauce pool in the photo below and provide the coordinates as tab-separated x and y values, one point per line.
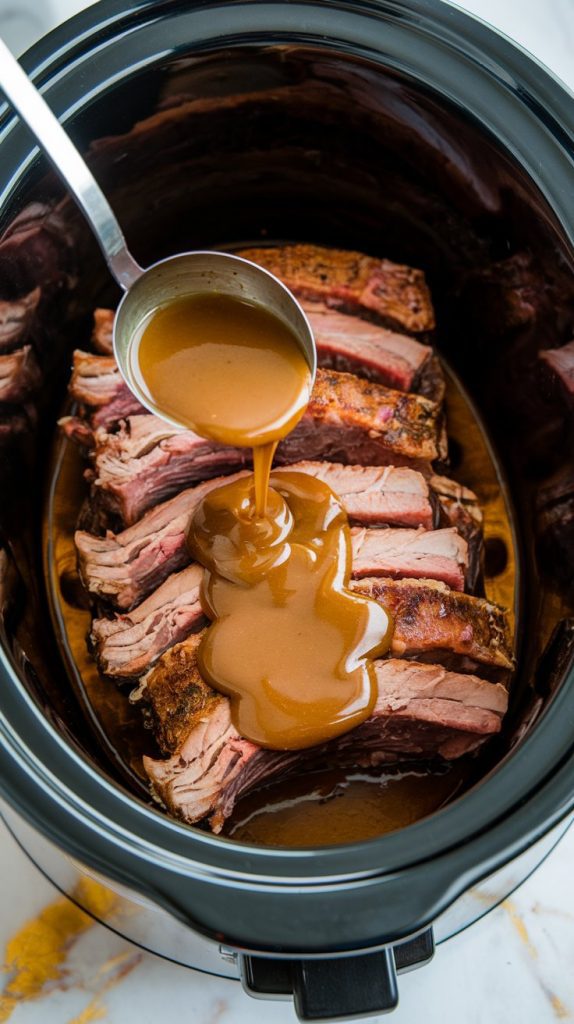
351	806
290	643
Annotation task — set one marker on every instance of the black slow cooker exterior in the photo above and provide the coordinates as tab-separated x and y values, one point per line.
401	127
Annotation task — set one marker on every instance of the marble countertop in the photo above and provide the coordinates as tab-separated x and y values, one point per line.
515	964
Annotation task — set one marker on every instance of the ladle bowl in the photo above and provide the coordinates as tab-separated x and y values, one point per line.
196	273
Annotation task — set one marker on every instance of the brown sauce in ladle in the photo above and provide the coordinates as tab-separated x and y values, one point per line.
290	644
229	370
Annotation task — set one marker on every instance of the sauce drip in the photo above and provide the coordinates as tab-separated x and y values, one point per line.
290	644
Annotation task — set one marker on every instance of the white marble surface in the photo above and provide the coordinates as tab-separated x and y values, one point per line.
517	964
514	965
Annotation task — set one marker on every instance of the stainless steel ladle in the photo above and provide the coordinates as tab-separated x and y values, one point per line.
177	276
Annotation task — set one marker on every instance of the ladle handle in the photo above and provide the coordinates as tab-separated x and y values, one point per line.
58	147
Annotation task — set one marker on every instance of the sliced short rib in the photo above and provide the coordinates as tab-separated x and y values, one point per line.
20	375
432	622
356	421
147	460
434	554
422	711
16	318
126	645
97	383
397	296
377	353
123	567
348	420
102	331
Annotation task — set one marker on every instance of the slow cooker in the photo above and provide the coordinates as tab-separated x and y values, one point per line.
403	128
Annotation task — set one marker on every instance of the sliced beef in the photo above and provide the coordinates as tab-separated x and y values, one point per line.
358	346
20	375
434	554
431	383
95	379
176	694
96	382
102	332
127	645
459	505
422	711
348	420
397	296
355	421
432	622
37	249
148	460
16	319
124	567
375	495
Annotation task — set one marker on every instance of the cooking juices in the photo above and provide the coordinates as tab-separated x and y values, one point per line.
290	644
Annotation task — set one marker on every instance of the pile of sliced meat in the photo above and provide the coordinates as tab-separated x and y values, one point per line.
375	432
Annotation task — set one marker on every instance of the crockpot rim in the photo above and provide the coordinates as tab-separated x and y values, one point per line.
47	58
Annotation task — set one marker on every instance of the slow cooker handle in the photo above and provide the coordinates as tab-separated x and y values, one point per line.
340	988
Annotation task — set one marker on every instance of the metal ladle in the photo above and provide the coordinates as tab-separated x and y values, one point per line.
177	276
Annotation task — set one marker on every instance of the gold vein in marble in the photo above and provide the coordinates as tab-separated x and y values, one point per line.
36	955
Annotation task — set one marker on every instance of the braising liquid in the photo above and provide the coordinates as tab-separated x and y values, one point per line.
290	644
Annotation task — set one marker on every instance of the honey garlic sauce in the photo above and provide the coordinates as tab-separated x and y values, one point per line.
289	644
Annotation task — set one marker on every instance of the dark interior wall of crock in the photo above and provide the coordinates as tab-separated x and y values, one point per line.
291	144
